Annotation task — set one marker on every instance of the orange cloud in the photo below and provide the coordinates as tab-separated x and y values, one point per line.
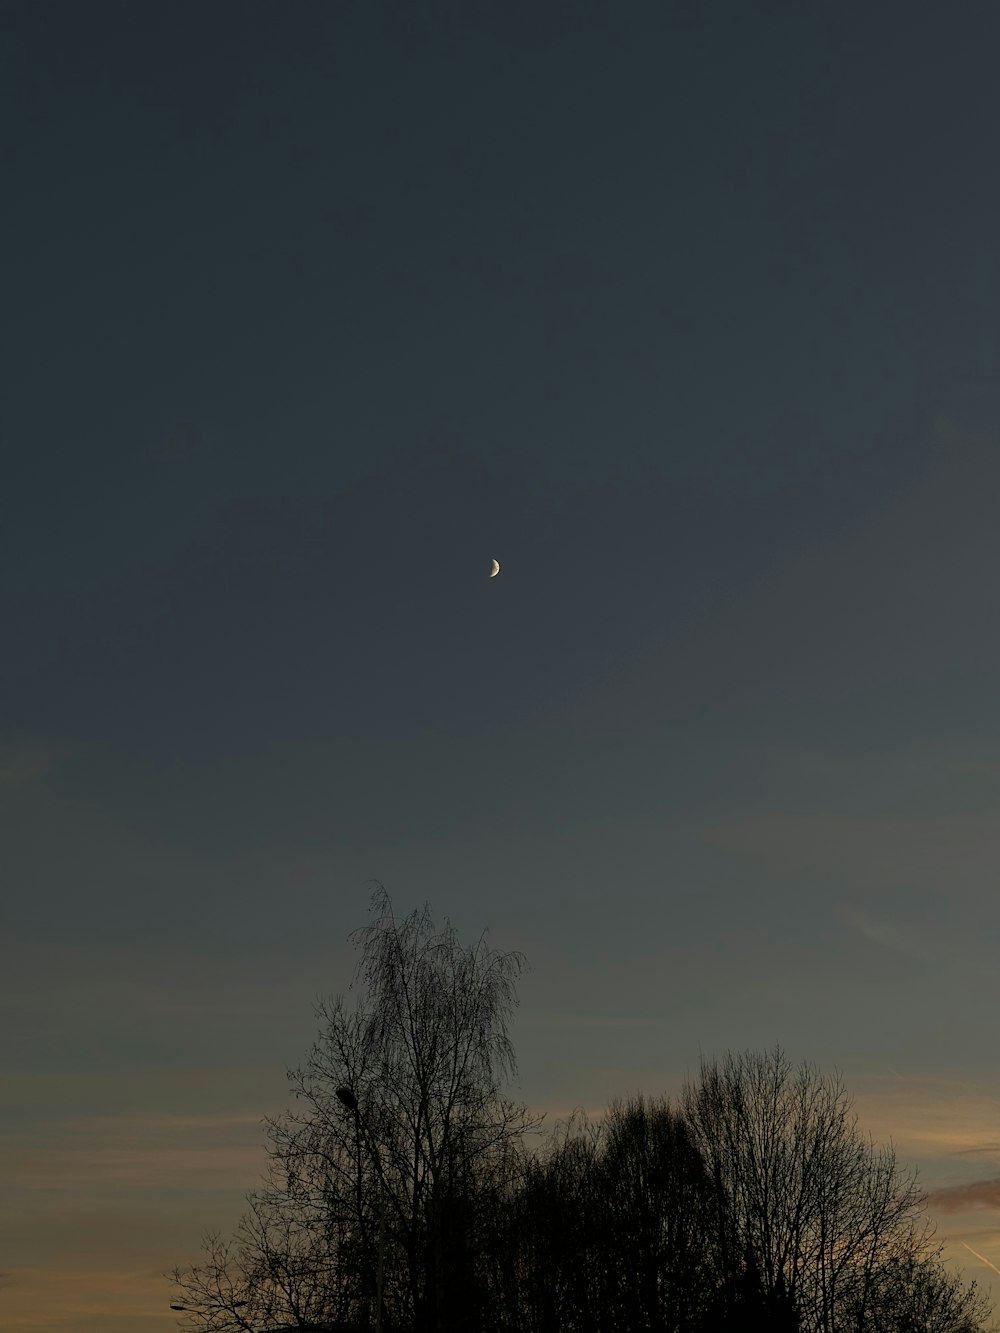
23	763
959	1198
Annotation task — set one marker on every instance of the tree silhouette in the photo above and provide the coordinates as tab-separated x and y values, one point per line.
427	1156
827	1227
752	1204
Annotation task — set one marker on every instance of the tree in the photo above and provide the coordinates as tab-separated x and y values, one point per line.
753	1205
610	1230
807	1210
916	1294
428	1155
554	1230
658	1216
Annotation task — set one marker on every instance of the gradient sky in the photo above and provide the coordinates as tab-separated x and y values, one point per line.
686	313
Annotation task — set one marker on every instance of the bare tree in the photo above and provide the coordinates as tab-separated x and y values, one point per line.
403	1191
914	1293
412	1175
610	1230
659	1213
823	1220
554	1229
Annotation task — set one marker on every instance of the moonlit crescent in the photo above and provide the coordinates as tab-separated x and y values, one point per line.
494	568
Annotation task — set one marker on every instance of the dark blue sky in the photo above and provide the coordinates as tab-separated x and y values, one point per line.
688	315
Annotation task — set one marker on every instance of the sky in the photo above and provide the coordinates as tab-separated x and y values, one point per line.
687	314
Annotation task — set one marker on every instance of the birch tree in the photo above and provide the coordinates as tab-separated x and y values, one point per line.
399	1192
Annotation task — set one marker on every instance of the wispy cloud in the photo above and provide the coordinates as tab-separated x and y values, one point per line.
90	1294
961	849
896	935
186	1151
87	1175
960	1198
23	763
930	1119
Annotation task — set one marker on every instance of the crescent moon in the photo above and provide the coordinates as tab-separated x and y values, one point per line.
494	568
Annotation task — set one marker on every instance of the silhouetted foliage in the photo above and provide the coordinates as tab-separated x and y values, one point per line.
825	1225
423	1160
753	1204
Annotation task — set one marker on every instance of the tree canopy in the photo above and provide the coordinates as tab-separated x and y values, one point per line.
405	1191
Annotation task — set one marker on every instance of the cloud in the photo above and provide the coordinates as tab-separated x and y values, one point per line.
75	1173
23	763
83	1157
91	1292
895	935
960	1198
931	1119
961	849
